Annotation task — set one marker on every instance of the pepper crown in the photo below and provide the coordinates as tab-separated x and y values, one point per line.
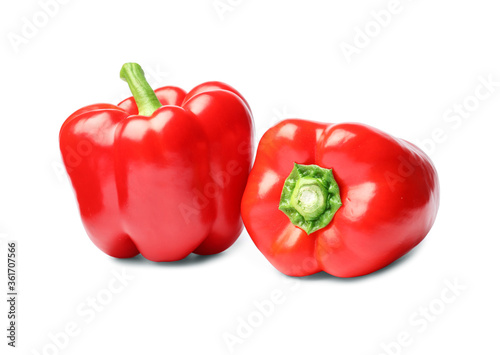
310	197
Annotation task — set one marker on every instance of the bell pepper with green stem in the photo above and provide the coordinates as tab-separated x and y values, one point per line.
162	173
344	198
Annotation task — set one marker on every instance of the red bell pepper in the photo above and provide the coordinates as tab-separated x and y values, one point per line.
163	172
344	198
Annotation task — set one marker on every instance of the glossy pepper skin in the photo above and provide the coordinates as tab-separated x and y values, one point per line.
166	183
388	188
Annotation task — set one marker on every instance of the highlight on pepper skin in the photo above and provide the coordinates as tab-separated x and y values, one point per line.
346	198
161	173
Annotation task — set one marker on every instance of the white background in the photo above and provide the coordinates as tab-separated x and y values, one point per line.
285	57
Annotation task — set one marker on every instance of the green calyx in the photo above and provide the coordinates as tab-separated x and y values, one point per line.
145	97
310	197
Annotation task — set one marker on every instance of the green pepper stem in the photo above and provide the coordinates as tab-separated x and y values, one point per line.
145	97
310	197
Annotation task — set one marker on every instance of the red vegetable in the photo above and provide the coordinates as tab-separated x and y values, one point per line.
163	177
344	198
